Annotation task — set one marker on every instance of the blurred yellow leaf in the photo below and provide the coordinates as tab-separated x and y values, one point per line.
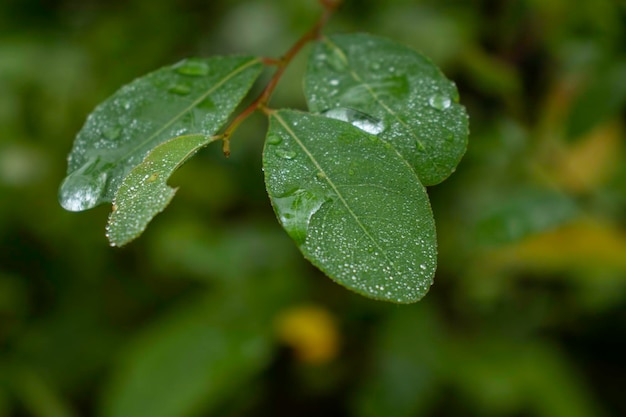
573	246
311	331
586	163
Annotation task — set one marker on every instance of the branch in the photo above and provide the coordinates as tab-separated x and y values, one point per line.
262	100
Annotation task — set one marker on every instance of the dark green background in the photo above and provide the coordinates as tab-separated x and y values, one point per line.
527	316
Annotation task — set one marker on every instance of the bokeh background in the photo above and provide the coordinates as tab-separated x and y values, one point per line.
213	312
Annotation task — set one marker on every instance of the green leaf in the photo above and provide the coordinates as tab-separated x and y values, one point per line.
417	107
403	377
189	361
192	97
522	213
144	192
354	207
602	98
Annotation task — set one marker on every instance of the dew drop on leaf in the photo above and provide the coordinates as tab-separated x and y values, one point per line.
439	101
193	67
274	139
112	133
295	210
282	153
358	119
180	89
206	104
81	189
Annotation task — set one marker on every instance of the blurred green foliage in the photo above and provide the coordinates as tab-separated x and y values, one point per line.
527	314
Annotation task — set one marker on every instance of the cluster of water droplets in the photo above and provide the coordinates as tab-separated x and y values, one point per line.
115	130
191	68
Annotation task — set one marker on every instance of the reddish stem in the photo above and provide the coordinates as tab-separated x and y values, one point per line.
261	101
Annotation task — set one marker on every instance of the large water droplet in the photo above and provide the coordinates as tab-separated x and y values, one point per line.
274	139
193	67
285	154
180	89
358	119
439	101
295	210
112	133
82	189
207	104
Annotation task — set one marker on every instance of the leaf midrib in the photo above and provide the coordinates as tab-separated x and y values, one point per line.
335	189
358	79
192	105
384	105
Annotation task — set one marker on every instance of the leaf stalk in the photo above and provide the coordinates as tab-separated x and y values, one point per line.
281	64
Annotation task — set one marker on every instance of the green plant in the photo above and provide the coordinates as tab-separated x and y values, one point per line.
346	179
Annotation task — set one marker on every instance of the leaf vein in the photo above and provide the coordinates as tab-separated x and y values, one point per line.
193	104
335	189
369	88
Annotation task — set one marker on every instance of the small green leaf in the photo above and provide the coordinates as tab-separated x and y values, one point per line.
354	207
144	192
522	213
192	97
188	362
417	107
602	98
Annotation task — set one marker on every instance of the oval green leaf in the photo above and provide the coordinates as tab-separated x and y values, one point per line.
417	105
144	192
192	97
190	361
354	207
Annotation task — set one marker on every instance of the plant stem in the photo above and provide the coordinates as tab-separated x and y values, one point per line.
262	100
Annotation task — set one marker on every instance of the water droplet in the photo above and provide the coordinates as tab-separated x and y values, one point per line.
194	67
180	89
112	133
126	104
274	139
334	81
285	154
295	210
82	189
321	176
439	101
358	119
207	103
375	66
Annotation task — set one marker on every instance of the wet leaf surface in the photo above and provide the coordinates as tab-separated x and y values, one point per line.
354	207
416	105
194	96
144	193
